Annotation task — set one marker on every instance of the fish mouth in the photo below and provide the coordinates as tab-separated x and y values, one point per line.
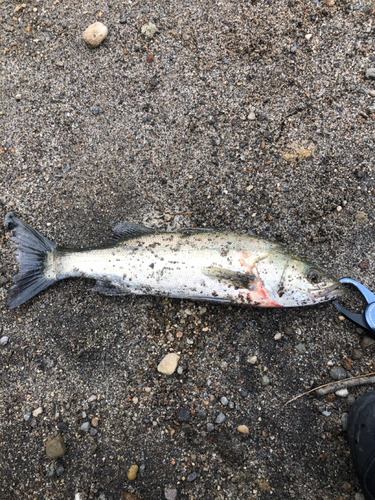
331	292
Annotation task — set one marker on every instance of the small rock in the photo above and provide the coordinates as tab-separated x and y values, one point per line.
150	58
183	414
130	496
344	421
252	360
59	470
168	364
243	429
357	354
18	97
350	400
220	418
170	493
278	336
301	348
55	447
132	472
192	477
288	330
92	398
294	49
149	30
342	393
326	413
361	217
93	432
210	427
95	110
38	411
224	401
60	64
329	3
4	340
370	73
95	422
338	373
366	341
243	393
251	116
308	36
85	427
265	380
95	34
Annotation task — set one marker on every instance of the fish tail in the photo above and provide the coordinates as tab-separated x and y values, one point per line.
32	254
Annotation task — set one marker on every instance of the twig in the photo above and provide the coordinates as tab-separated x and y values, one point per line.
335	386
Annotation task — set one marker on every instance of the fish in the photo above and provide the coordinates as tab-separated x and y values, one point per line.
197	264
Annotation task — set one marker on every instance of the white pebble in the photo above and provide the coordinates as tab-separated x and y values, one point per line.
92	398
252	359
169	363
38	411
4	340
308	36
339	208
251	116
342	393
95	34
277	336
149	30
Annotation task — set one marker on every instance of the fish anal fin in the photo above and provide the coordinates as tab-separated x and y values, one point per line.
233	278
128	230
109	288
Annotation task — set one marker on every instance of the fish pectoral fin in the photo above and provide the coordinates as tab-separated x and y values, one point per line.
234	278
128	230
108	288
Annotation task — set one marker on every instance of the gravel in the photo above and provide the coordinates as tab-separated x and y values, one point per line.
222	127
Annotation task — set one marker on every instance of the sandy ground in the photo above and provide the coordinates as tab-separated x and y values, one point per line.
251	116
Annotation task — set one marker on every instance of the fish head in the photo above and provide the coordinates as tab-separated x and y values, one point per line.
291	281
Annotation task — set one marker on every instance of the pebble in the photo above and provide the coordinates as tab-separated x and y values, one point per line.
370	73
294	49
367	341
344	421
278	336
93	432
357	354
220	418
265	380
342	393
308	36
329	3
132	472
55	447
38	411
288	330
168	364
210	427
252	360
243	429
59	470
170	493
351	399
149	30
4	340
243	393
339	208
95	422
95	110
92	398
18	97
338	373
95	34
85	427
301	348
224	401
192	477
183	414
251	116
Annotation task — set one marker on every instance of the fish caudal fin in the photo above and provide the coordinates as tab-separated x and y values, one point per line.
32	253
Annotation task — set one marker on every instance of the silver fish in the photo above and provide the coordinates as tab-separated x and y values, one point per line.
198	264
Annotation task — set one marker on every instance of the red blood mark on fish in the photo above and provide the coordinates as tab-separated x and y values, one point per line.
258	294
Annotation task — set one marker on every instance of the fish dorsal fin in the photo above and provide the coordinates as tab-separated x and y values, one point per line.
128	230
232	278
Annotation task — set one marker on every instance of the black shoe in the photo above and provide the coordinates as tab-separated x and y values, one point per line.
361	438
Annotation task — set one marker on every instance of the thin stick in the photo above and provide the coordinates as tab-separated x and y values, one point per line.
333	386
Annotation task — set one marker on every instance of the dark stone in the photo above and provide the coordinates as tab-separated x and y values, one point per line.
192	477
183	414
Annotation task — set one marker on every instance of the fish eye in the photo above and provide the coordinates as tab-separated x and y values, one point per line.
314	275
